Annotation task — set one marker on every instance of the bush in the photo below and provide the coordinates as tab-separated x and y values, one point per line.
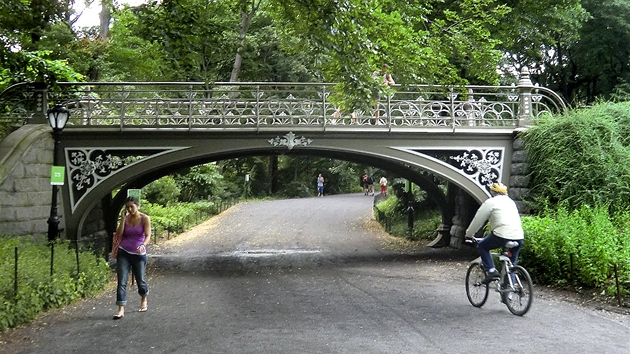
163	191
298	189
392	211
561	148
37	289
176	217
580	247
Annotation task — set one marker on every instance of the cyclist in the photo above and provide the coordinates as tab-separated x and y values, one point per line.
505	225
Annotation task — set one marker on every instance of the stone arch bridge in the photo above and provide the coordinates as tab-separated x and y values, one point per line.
125	135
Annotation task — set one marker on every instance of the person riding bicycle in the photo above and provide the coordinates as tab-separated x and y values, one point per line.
505	225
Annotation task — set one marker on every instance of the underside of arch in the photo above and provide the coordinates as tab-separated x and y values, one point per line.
96	170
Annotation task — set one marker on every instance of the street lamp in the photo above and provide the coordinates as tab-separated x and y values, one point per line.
57	118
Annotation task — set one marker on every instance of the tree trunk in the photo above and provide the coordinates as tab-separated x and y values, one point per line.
246	20
105	17
273	174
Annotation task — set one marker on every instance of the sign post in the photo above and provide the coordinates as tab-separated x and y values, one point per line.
57	176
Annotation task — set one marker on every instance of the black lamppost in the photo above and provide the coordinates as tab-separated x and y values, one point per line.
57	118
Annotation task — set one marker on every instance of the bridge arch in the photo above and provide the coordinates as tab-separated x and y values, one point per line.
94	160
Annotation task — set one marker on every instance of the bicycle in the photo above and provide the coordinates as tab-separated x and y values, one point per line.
514	284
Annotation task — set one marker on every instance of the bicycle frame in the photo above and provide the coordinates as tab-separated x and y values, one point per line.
514	284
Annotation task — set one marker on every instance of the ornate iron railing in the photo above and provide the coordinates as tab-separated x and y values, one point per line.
259	105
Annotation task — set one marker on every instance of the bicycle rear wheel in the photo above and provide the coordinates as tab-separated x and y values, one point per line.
519	300
476	291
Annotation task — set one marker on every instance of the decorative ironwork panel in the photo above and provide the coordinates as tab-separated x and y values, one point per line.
481	165
87	167
290	140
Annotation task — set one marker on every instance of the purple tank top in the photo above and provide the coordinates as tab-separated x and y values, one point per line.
133	236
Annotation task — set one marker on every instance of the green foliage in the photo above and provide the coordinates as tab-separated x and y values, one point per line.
581	158
428	41
579	247
599	59
582	53
36	66
389	207
175	217
132	55
163	191
37	290
394	211
199	182
298	189
339	176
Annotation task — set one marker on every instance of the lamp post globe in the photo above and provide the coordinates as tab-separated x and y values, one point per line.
57	118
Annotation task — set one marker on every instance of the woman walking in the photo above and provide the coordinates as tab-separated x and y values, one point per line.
131	254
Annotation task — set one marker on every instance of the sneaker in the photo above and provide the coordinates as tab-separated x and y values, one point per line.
490	276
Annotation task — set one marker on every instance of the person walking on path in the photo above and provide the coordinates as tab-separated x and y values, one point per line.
133	234
364	183
505	225
383	183
370	182
320	185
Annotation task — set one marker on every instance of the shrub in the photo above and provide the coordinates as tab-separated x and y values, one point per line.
37	289
298	189
162	191
176	217
426	220
579	247
562	148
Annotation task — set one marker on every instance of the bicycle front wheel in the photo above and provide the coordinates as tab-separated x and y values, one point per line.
519	299
476	291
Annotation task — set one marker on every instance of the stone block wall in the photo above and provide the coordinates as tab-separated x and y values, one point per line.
25	190
519	176
465	209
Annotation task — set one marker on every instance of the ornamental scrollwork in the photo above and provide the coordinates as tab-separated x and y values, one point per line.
483	165
290	140
87	167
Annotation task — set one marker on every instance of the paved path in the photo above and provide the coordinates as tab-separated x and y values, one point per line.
314	275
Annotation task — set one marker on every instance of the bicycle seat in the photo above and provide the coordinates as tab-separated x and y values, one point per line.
511	244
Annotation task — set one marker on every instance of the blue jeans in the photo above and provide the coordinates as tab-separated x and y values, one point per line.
491	242
138	264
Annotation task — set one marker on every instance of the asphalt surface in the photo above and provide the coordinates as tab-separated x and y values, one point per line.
315	275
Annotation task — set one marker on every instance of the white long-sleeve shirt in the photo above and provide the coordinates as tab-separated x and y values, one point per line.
505	221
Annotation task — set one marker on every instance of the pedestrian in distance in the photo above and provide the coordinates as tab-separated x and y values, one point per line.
132	236
383	183
320	185
385	77
364	183
505	225
370	182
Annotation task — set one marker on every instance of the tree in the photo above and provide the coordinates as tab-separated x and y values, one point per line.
131	56
579	48
247	9
600	60
424	41
196	52
199	182
24	26
163	191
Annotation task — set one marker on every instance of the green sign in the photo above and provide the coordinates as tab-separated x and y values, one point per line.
57	176
134	193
